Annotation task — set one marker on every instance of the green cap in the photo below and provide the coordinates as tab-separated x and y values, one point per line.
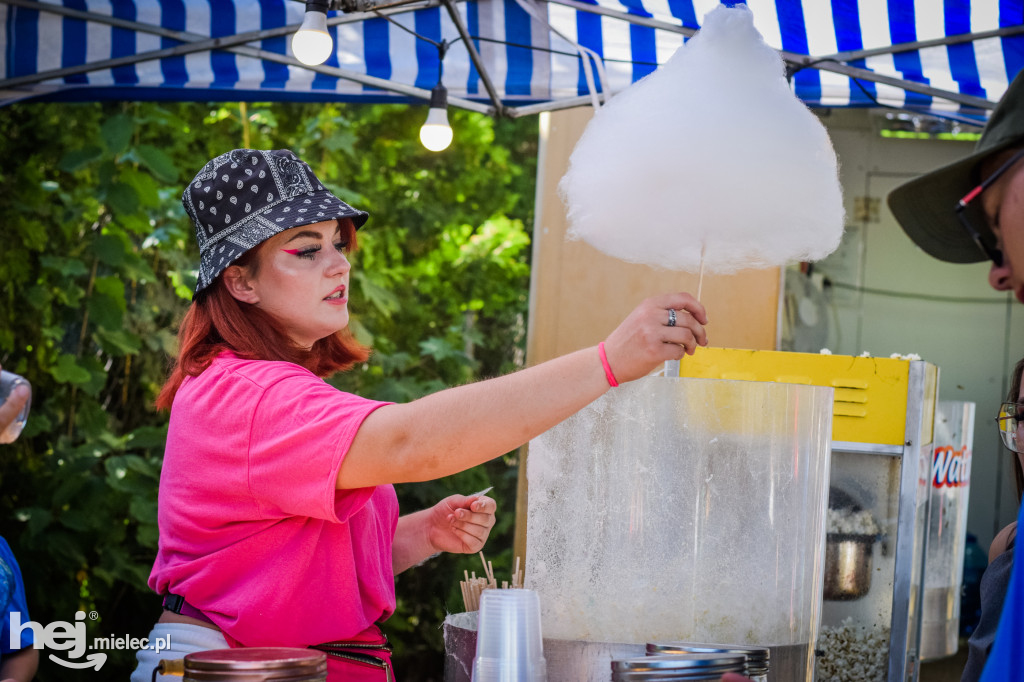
924	206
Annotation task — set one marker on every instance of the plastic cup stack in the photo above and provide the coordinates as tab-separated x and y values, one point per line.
508	643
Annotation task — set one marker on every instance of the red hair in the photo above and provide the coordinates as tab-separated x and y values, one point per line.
217	322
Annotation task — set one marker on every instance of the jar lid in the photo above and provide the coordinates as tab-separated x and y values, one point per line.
293	661
757	656
709	662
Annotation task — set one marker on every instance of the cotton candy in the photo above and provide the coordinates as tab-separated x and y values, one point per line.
711	157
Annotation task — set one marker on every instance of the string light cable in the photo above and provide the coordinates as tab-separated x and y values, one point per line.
435	133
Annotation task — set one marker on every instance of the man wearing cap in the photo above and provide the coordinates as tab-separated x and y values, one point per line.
968	212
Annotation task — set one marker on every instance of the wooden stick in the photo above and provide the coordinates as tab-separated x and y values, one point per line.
700	277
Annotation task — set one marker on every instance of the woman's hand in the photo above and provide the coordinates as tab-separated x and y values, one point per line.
646	339
11	408
458	524
461	524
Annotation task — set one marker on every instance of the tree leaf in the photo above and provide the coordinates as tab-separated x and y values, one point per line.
146	188
66	267
67	371
146	437
109	249
122	198
117	133
119	341
104	311
159	164
76	159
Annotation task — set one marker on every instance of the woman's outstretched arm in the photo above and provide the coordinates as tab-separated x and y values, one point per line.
458	428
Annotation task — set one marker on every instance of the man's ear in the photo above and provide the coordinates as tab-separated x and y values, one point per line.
238	284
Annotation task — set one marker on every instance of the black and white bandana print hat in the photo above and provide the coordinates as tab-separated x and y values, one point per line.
244	197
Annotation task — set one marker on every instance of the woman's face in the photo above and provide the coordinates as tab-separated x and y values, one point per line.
301	279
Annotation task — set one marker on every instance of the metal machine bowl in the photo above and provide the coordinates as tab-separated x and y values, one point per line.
847	565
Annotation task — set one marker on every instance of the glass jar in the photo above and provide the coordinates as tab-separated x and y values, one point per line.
693	666
256	664
757	657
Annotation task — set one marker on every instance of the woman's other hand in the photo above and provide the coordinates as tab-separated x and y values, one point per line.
646	339
461	524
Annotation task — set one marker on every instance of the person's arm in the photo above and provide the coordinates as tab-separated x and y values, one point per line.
19	666
1000	542
12	407
457	524
458	428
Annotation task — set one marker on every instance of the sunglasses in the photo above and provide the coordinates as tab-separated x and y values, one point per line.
990	251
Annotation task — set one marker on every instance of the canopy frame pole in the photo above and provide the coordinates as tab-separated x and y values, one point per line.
802	61
195	43
191	42
474	56
898	48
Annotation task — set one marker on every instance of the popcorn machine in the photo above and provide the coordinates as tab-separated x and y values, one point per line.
882	434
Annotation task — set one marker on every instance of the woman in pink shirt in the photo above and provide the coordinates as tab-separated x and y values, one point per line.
279	524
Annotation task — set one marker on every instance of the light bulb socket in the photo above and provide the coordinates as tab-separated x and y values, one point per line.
318	6
439	97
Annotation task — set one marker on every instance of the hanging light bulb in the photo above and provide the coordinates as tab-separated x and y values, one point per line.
436	134
312	44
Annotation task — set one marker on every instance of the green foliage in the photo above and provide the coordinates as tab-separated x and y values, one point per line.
97	267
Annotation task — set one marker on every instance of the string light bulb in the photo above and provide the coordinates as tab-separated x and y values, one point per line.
435	133
312	44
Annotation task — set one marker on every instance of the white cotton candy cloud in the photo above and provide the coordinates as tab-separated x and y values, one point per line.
710	153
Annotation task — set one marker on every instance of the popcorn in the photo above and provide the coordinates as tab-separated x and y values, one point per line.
851	522
852	653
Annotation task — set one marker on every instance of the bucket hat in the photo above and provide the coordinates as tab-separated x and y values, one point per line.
242	198
924	206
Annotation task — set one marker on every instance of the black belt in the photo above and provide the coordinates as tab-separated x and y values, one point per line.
175	603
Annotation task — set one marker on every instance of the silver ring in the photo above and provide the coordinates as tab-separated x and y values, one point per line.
671	317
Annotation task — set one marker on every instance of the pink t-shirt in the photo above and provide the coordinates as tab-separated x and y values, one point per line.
252	529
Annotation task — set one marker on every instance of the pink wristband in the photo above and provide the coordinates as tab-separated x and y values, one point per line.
607	368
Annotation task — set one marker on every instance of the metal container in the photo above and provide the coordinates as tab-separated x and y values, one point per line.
692	666
757	657
256	664
848	565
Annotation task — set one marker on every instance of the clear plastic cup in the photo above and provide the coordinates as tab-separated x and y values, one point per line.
508	642
8	380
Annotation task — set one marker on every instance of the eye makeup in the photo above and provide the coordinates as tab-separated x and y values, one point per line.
308	252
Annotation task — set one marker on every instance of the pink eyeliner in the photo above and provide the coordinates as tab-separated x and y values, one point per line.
291	251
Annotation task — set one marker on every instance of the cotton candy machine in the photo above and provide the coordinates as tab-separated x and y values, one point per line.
688	510
882	446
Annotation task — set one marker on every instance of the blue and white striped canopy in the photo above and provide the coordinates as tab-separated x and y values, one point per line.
512	56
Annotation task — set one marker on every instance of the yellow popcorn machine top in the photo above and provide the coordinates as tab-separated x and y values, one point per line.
882	434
